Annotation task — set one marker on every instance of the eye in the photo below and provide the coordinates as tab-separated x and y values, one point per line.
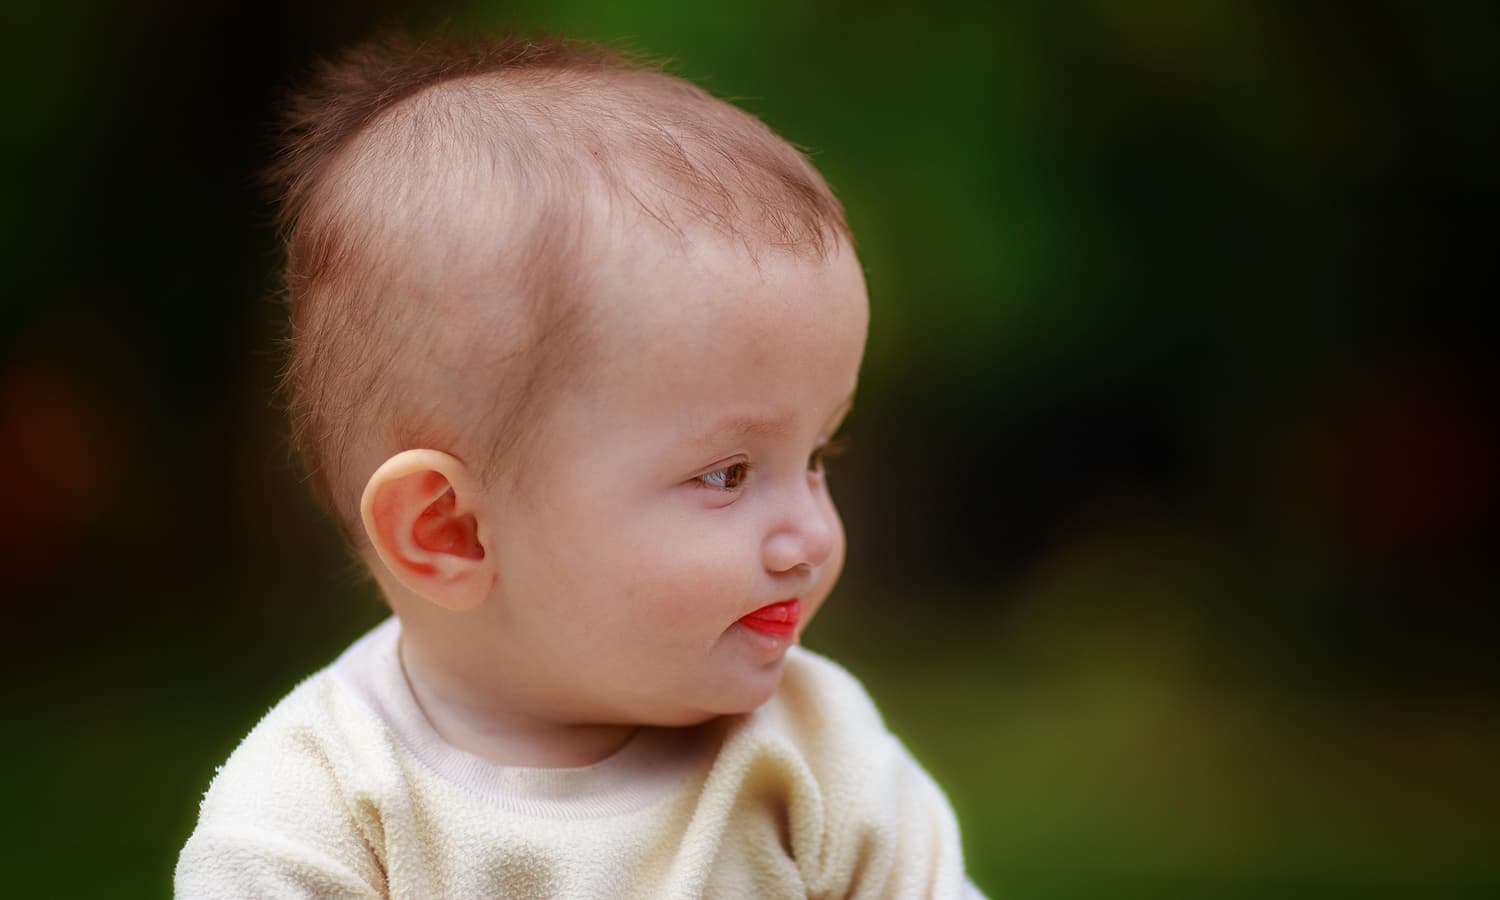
831	450
730	478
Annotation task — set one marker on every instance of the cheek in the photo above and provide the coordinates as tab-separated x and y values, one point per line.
557	563
695	580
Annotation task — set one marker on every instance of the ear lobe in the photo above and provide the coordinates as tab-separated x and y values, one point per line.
423	515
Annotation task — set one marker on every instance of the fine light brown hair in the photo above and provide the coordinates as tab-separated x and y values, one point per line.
438	202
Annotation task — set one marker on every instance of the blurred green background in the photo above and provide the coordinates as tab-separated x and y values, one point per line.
1171	493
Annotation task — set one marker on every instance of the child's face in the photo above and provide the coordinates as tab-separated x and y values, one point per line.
679	488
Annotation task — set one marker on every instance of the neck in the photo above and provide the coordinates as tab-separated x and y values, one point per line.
469	717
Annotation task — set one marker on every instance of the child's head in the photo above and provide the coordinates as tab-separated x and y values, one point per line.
570	337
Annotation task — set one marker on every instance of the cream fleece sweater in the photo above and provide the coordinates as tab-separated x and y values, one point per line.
344	790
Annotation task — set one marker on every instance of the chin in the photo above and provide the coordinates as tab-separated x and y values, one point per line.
744	700
685	719
751	697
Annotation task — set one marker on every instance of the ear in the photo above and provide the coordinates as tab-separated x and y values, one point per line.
423	514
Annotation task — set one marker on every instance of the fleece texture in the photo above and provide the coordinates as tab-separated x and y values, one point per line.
344	790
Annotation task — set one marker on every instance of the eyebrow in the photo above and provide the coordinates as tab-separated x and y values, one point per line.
740	427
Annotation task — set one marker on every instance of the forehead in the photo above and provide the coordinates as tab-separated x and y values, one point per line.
660	295
700	333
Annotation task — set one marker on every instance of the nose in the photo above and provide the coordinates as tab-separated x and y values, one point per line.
805	532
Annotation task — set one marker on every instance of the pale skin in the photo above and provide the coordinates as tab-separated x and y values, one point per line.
679	488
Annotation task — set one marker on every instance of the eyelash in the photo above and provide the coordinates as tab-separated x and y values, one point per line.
831	450
815	463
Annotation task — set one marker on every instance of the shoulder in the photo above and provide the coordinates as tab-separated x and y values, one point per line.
310	735
868	812
823	725
295	803
820	700
808	670
322	732
822	717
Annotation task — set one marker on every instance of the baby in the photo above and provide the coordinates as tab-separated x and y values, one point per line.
571	343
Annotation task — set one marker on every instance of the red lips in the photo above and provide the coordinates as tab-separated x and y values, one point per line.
777	620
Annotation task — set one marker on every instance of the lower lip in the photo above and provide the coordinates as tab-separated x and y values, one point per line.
777	620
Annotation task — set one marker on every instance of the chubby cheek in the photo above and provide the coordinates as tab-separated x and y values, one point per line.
687	587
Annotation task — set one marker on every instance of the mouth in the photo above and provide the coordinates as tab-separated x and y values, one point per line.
777	619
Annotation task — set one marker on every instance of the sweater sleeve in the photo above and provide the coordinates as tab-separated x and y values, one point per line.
275	822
